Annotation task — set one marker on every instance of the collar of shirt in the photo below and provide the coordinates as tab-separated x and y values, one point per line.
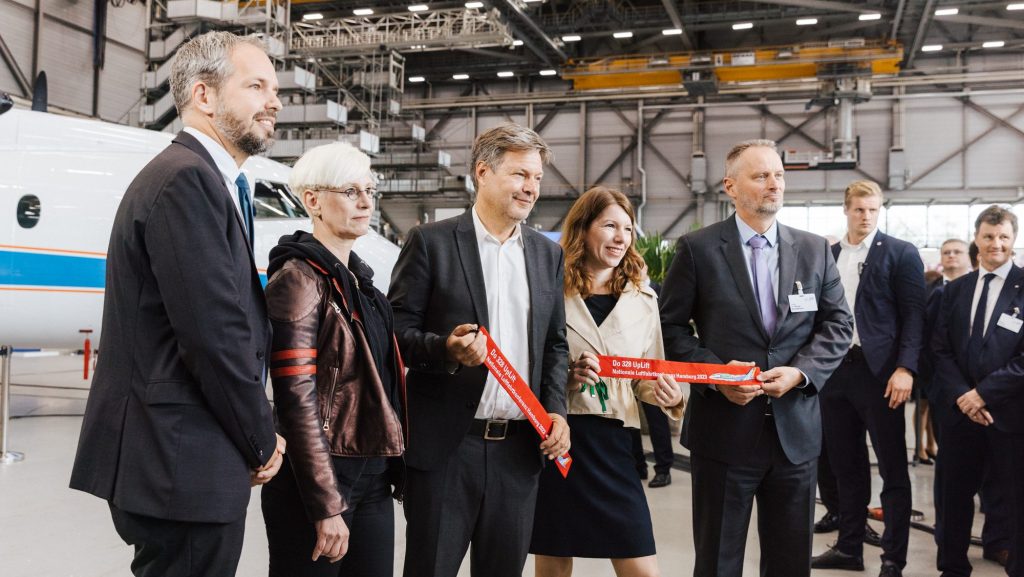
865	243
483	235
225	164
746	233
1000	272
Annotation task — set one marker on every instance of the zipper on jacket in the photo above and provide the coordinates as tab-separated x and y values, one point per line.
330	399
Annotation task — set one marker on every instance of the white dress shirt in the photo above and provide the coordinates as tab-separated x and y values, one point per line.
508	309
771	252
229	170
994	287
851	266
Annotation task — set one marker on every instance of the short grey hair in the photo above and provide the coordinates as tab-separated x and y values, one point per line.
331	165
739	149
996	215
207	59
491	146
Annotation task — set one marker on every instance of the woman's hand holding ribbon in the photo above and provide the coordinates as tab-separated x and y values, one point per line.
667	391
583	371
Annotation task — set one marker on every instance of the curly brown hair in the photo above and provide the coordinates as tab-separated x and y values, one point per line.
584	211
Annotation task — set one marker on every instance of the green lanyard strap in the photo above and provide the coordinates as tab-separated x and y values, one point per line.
600	390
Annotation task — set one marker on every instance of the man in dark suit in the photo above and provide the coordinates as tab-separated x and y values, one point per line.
178	425
762	294
883	280
978	388
473	462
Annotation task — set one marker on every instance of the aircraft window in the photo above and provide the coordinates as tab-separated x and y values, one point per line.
275	200
29	209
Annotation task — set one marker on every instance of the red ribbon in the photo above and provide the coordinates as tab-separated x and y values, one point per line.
510	380
695	373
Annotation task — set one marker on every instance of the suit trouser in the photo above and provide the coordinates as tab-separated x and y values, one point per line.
723	497
484	493
828	487
165	548
1016	565
661	440
853	403
969	452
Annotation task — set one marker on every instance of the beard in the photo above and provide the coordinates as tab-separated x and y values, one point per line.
241	133
764	208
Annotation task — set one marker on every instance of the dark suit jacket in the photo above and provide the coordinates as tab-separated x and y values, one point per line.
1002	353
708	283
926	364
889	305
177	415
438	284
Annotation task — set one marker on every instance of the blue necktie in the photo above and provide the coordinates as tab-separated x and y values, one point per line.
246	205
763	289
978	330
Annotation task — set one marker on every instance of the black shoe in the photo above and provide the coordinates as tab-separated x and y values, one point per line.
642	473
890	569
660	480
1001	556
827	524
871	537
836	559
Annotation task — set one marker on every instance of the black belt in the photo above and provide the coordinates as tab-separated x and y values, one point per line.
855	354
495	429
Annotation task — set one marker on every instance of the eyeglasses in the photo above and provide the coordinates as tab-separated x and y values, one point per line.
353	192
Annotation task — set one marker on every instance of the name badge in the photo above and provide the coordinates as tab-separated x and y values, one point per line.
801	303
1010	323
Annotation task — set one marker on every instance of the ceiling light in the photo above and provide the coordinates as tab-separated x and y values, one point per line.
548	72
622	35
672	32
363	11
530	1
517	43
472	5
743	26
312	16
807	22
871	16
993	44
571	38
947	11
931	48
1015	6
506	74
418	8
460	76
416	79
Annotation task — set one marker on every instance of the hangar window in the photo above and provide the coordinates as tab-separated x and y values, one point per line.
275	200
28	211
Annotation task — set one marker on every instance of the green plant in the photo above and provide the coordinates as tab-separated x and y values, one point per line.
657	253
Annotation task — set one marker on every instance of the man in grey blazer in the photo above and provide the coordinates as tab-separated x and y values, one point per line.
473	462
177	424
759	293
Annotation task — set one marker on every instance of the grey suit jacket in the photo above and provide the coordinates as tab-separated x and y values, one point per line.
438	284
177	414
708	283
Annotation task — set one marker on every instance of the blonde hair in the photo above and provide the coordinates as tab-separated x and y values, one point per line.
584	211
861	189
328	166
206	59
737	150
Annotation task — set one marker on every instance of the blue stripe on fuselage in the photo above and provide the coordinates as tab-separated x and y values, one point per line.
51	270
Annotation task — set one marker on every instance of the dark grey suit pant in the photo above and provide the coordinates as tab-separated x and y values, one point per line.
853	404
483	494
723	497
165	548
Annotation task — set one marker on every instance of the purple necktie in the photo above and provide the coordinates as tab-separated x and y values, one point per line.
763	283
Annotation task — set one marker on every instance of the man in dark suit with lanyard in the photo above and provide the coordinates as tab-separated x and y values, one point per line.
474	463
760	293
883	279
178	425
978	385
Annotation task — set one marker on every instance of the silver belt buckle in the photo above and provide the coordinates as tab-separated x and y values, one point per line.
495	430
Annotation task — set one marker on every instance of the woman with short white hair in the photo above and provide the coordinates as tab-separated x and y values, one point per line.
338	382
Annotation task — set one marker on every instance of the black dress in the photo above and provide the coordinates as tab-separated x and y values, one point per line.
600	509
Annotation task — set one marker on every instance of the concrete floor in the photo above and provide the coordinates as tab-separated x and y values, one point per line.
48	530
